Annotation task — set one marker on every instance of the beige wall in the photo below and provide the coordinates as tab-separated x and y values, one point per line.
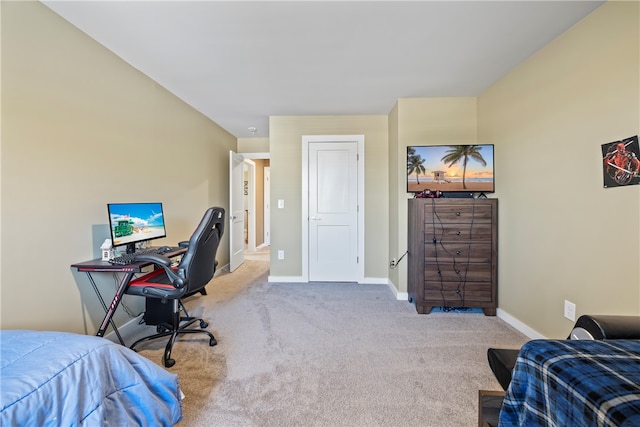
422	121
81	128
561	234
253	145
286	175
397	275
71	110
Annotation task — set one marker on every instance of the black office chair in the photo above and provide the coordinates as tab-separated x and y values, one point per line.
195	270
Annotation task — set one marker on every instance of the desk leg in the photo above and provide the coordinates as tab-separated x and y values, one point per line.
109	311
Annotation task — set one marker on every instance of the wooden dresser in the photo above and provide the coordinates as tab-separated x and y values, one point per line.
453	254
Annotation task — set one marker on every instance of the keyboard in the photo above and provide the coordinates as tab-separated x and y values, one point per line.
127	259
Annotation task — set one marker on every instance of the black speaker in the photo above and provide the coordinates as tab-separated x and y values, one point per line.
606	327
157	312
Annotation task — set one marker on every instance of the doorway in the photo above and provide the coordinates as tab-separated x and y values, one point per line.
333	208
257	206
249	193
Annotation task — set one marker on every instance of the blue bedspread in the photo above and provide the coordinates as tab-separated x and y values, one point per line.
574	383
65	379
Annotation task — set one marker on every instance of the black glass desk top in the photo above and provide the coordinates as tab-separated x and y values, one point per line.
106	266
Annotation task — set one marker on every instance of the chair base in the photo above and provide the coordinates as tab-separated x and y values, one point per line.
172	331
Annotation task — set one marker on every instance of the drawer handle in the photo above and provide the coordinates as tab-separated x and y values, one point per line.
458	252
458	272
458	233
458	213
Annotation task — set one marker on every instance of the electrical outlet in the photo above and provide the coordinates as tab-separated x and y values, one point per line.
570	310
280	254
392	264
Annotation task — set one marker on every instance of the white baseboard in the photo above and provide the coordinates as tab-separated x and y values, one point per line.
522	327
224	269
128	329
400	296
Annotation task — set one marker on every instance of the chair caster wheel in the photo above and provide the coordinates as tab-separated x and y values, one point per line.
212	342
203	324
160	329
169	363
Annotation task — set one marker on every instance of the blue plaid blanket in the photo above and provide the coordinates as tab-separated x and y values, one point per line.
573	383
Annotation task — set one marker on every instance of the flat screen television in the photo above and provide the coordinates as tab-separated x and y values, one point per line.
132	223
450	168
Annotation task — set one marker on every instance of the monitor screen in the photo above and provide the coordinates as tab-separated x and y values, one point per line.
450	168
131	223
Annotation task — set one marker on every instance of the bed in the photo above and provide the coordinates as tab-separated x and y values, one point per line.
574	383
66	379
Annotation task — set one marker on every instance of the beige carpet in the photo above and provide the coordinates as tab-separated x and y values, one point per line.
329	354
261	254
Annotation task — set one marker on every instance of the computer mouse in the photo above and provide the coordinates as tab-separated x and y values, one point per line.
165	249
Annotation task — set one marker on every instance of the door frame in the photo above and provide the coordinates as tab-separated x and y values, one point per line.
306	140
235	259
250	167
265	201
267	206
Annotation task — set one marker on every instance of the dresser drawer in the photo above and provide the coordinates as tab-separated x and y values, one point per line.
457	213
478	232
458	252
456	272
471	292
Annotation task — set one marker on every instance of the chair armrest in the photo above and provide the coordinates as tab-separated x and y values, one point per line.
175	276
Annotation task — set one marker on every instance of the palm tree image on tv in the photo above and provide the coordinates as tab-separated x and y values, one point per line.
415	164
464	153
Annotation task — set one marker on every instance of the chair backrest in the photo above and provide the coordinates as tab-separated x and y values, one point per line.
198	264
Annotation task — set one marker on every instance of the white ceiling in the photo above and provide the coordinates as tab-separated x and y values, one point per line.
239	62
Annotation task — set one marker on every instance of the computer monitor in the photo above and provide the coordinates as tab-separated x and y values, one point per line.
132	223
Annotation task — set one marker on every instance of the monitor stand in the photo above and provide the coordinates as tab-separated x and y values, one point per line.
131	248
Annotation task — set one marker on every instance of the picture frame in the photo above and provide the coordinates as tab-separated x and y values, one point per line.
621	163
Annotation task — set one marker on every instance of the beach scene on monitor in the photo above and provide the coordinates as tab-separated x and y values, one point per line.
450	168
136	222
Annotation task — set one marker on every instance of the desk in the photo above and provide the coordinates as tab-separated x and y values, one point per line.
99	266
574	383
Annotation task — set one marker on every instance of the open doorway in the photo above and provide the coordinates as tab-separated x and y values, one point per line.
256	180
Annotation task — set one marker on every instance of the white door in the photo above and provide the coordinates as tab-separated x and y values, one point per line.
333	211
236	207
267	206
